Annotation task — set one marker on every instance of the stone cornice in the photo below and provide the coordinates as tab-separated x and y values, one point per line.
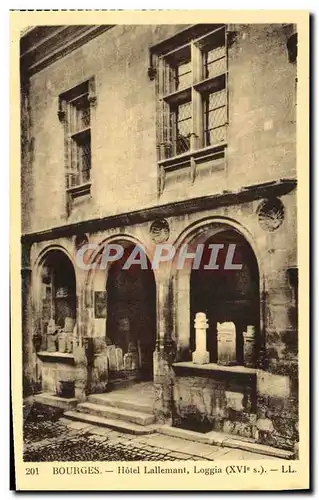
226	198
43	45
182	37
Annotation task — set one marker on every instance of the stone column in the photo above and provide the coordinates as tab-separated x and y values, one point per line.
30	340
164	354
182	304
200	355
82	342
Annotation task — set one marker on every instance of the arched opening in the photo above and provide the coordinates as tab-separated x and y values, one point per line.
227	295
57	302
131	317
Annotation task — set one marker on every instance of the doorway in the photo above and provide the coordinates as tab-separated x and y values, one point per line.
131	318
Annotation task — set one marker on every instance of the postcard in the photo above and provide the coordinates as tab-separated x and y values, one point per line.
160	250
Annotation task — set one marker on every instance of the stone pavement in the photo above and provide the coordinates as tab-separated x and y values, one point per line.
65	440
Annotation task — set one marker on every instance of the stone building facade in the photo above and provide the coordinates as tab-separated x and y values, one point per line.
139	135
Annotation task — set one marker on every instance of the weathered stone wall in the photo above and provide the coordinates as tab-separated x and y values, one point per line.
217	400
261	148
261	131
276	387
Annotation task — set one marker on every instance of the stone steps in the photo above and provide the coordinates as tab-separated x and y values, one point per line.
45	398
117	402
132	416
226	440
118	425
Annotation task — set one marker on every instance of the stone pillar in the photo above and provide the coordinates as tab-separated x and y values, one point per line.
30	340
182	304
226	343
164	354
200	355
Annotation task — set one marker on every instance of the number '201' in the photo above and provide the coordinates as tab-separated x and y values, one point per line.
32	471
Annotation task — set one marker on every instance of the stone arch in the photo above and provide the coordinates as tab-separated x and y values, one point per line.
54	290
96	276
97	284
204	231
199	227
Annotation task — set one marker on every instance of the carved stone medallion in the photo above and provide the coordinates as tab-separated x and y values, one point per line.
159	231
271	214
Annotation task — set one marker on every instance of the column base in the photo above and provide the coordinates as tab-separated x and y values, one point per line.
200	358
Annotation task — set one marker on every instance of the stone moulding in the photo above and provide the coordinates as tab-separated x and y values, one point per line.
243	195
213	370
56	357
43	45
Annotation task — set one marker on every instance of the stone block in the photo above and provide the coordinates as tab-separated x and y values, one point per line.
226	343
100	374
112	357
119	359
273	385
234	400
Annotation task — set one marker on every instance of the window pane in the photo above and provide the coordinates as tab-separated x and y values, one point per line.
216	53
181	76
182	144
216	118
215	136
216	68
81	159
184	111
85	160
181	128
217	99
215	62
80	113
184	128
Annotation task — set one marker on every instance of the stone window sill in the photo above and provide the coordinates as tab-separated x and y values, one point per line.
80	190
197	154
212	369
56	357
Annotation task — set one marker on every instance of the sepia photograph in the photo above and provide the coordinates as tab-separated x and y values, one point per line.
159	247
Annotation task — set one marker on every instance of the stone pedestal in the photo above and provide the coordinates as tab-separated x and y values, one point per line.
226	343
200	355
250	347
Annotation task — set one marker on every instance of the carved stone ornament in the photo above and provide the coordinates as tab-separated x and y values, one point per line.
80	240
271	214
159	231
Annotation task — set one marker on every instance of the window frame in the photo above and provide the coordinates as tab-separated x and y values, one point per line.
196	46
75	138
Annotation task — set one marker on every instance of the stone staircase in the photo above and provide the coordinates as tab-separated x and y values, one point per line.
115	411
